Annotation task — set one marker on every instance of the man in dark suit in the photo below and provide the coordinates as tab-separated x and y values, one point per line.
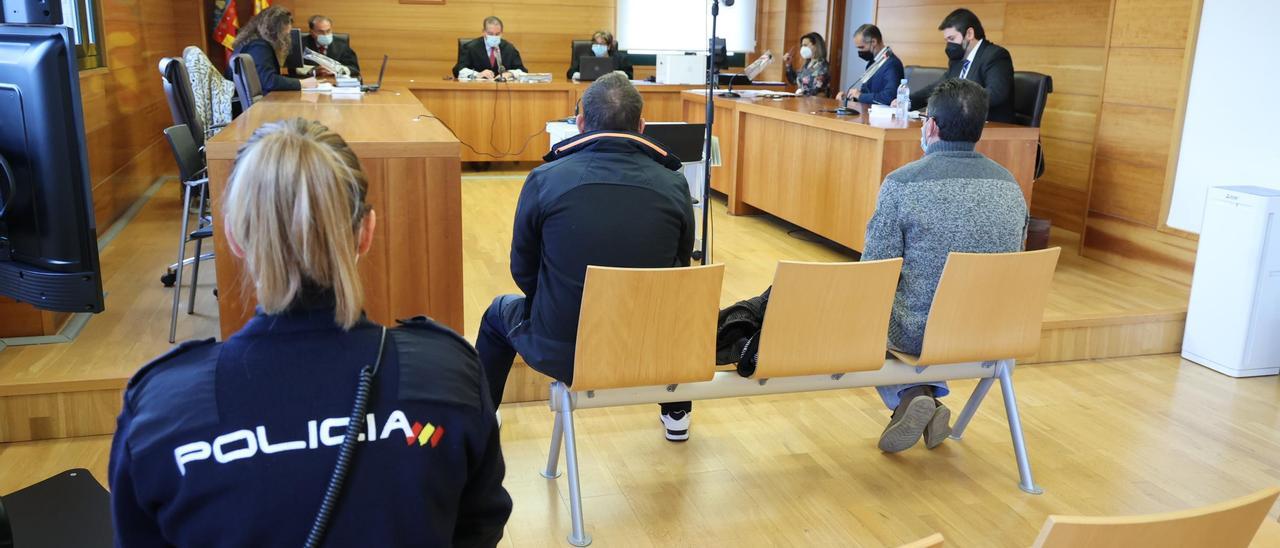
489	56
973	57
882	87
321	41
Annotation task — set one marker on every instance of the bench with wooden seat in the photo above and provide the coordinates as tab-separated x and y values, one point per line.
1232	524
648	336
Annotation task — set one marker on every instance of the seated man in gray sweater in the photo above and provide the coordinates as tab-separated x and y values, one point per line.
953	199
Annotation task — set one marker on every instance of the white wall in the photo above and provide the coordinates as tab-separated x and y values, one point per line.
684	25
856	14
1226	141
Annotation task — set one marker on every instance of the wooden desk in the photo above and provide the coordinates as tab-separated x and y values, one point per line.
823	172
411	161
506	121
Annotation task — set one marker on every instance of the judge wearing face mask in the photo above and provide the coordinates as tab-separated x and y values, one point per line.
974	58
603	45
489	56
882	86
320	40
814	74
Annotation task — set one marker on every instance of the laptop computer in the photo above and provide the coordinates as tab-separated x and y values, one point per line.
591	67
381	73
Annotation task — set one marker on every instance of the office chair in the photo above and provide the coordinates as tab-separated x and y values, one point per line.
342	37
919	77
245	75
1030	95
182	105
191	167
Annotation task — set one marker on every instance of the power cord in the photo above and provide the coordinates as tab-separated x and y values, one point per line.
492	125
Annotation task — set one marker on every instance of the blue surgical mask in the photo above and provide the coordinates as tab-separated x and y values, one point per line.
599	49
324	40
491	41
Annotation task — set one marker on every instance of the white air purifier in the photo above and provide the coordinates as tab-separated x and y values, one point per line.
1233	319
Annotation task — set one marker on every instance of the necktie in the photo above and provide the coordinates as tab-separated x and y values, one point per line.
493	58
964	70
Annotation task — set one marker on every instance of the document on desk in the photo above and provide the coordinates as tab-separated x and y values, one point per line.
750	93
323	87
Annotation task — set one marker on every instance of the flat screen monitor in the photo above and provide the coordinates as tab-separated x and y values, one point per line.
48	237
293	60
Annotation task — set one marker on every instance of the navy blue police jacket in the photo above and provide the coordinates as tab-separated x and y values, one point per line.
605	198
233	443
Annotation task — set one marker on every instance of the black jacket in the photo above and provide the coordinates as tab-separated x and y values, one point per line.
264	59
475	56
606	198
338	50
244	432
620	62
992	68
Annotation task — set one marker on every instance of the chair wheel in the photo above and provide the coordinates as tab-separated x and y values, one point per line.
168	278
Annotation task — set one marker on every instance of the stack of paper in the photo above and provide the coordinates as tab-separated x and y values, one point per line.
536	77
348	82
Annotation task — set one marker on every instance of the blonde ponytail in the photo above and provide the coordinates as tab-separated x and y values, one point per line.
294	204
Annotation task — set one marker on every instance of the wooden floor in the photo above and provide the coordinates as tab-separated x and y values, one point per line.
1122	436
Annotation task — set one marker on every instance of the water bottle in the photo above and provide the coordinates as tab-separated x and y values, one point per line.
904	100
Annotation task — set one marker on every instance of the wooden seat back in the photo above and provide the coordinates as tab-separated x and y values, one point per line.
1230	524
988	306
647	326
827	318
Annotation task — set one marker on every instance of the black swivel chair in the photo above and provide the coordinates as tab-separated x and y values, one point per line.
919	77
245	75
191	167
1030	95
177	91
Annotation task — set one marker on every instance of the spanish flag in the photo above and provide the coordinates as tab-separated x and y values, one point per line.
225	32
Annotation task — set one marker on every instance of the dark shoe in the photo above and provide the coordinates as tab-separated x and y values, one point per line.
939	427
677	425
908	423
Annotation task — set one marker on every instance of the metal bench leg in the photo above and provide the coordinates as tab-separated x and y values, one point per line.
557	438
971	407
579	536
1015	428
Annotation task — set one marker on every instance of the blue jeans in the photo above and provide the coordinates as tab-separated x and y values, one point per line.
892	394
498	352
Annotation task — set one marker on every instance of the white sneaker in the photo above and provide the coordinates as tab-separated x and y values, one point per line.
498	415
677	425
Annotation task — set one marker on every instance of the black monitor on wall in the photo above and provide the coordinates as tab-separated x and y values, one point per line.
48	237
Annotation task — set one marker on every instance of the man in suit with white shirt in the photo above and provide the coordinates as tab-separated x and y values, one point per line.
973	57
489	56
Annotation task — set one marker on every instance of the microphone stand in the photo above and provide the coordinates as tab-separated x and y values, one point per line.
703	255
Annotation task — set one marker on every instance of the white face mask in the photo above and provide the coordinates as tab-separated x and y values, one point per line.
806	52
924	136
324	40
491	41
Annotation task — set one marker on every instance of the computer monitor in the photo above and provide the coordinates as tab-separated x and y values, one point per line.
293	60
591	67
686	141
48	236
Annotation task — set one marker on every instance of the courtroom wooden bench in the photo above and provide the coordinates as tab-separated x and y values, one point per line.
648	336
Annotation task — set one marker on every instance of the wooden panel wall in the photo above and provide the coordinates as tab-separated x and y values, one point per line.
124	104
1064	39
422	39
1119	69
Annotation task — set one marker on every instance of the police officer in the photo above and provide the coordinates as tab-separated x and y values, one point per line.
237	443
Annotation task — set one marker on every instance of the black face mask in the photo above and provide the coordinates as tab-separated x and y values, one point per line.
955	52
866	55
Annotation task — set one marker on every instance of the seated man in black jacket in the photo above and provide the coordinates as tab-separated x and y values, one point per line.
489	56
607	197
321	41
974	58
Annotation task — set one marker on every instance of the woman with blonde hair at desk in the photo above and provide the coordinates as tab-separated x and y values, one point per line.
815	72
256	441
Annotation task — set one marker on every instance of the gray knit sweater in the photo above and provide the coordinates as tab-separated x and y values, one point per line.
953	199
